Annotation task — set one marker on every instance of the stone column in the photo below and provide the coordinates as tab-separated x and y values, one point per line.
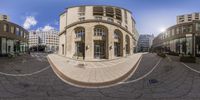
111	42
131	45
89	45
124	44
70	43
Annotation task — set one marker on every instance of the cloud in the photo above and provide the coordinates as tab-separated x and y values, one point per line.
46	28
30	21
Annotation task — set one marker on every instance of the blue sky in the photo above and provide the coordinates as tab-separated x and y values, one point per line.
151	15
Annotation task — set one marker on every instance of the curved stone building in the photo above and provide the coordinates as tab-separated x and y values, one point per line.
96	32
13	38
182	38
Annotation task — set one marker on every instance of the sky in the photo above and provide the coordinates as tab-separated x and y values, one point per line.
151	16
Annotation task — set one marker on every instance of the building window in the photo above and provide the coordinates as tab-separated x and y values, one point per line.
98	11
184	29
98	17
99	32
82	9
190	28
6	28
80	49
17	32
118	14
189	17
110	20
81	14
125	16
109	12
116	35
172	32
5	17
80	32
196	16
82	18
177	30
12	29
22	33
197	26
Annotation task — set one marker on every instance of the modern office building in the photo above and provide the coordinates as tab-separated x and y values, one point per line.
182	38
145	42
13	38
97	32
49	39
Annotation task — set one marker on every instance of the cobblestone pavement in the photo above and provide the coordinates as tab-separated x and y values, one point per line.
170	80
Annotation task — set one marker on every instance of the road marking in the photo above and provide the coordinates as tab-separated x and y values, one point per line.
169	58
186	66
140	78
191	68
22	75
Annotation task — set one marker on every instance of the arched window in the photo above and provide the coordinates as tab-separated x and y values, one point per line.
99	31
118	45
127	44
116	35
80	32
127	39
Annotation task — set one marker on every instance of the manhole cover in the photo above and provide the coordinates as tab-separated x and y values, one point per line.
153	81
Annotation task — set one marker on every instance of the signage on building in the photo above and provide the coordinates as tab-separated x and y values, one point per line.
188	35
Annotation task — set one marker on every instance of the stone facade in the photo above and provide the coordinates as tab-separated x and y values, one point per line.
182	38
188	18
97	32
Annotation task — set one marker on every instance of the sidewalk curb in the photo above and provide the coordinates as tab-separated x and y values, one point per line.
78	83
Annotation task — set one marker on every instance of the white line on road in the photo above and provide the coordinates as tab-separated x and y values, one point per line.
187	66
191	68
140	78
22	75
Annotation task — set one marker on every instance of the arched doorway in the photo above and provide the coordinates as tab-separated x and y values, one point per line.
100	42
127	44
118	43
79	42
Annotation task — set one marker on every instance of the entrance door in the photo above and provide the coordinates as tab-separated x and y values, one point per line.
62	49
117	49
97	51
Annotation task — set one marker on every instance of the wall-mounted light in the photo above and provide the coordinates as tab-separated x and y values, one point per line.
87	47
110	47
